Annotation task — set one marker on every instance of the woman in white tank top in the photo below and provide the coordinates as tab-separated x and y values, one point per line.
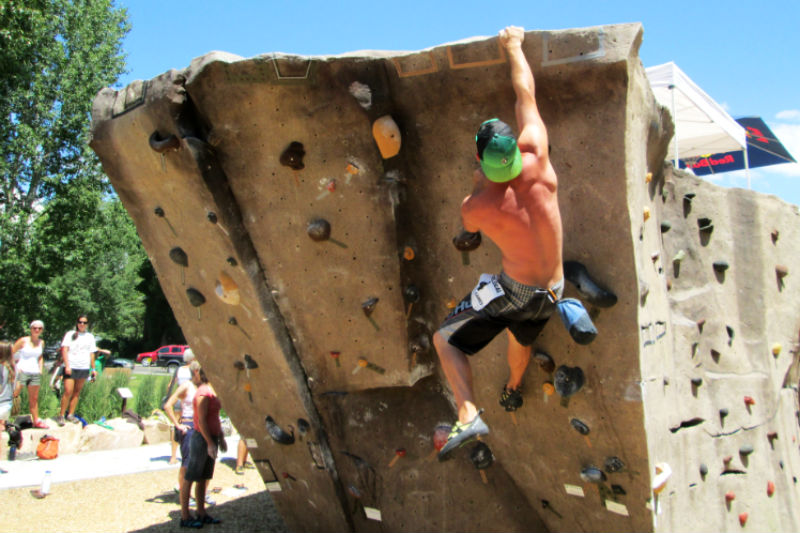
28	354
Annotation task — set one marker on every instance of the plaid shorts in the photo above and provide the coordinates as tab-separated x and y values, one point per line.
523	309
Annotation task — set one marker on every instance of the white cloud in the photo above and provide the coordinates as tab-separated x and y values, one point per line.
789	114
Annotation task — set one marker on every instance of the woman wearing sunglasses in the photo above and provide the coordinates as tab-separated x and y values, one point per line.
28	354
78	350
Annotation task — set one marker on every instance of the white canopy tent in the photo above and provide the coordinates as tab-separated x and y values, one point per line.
702	127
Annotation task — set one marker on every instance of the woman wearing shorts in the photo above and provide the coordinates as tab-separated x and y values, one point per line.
183	398
28	353
78	349
203	444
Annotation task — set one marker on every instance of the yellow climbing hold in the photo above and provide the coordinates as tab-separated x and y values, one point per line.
387	136
646	212
451	303
776	349
227	290
248	387
649	177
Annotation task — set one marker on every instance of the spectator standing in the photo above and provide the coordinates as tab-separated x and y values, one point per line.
78	352
7	375
181	376
204	442
29	356
183	423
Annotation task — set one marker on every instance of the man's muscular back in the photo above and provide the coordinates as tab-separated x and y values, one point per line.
522	218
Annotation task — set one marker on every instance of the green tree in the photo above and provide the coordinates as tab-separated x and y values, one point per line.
55	55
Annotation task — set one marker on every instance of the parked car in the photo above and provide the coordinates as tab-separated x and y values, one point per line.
119	363
169	356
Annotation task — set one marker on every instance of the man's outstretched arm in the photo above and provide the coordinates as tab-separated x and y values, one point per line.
532	132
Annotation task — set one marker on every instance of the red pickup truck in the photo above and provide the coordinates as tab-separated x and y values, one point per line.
170	356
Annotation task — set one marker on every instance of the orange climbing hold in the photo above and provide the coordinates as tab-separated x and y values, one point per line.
748	400
742	519
409	255
730	496
387	136
548	388
351	168
770	488
451	303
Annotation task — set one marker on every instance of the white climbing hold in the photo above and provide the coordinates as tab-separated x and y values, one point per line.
663	473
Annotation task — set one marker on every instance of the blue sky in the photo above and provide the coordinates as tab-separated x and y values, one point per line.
743	54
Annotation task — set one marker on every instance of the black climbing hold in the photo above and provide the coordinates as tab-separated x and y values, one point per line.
746	449
232	321
162	145
231	261
303	426
158	211
568	380
467	241
689	196
687	424
697	381
730	333
703	470
705	225
723	412
411	293
196	298
238	365
590	474
179	256
579	426
319	230
278	434
613	464
577	274
212	217
665	226
419	344
618	490
481	456
368	306
292	156
546	362
249	362
720	266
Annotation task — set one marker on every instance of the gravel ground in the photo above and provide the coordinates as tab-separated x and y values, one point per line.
143	502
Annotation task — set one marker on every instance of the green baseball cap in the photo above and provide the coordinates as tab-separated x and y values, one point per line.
499	154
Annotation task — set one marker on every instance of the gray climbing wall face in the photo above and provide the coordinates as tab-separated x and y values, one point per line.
300	213
719	332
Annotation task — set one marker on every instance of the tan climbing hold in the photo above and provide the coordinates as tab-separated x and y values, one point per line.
387	136
646	213
227	290
649	177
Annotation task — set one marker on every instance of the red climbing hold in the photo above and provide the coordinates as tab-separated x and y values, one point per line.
730	496
770	488
748	400
742	519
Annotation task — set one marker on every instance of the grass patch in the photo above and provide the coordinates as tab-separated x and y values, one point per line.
100	399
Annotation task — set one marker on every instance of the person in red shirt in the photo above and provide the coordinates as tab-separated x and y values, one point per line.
204	443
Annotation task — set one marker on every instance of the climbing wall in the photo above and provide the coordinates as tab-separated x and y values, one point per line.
300	211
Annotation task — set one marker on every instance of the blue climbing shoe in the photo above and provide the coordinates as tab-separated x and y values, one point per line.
462	433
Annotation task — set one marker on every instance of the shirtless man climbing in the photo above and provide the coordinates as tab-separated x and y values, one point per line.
514	203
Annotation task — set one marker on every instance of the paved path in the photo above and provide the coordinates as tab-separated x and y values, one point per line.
78	466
